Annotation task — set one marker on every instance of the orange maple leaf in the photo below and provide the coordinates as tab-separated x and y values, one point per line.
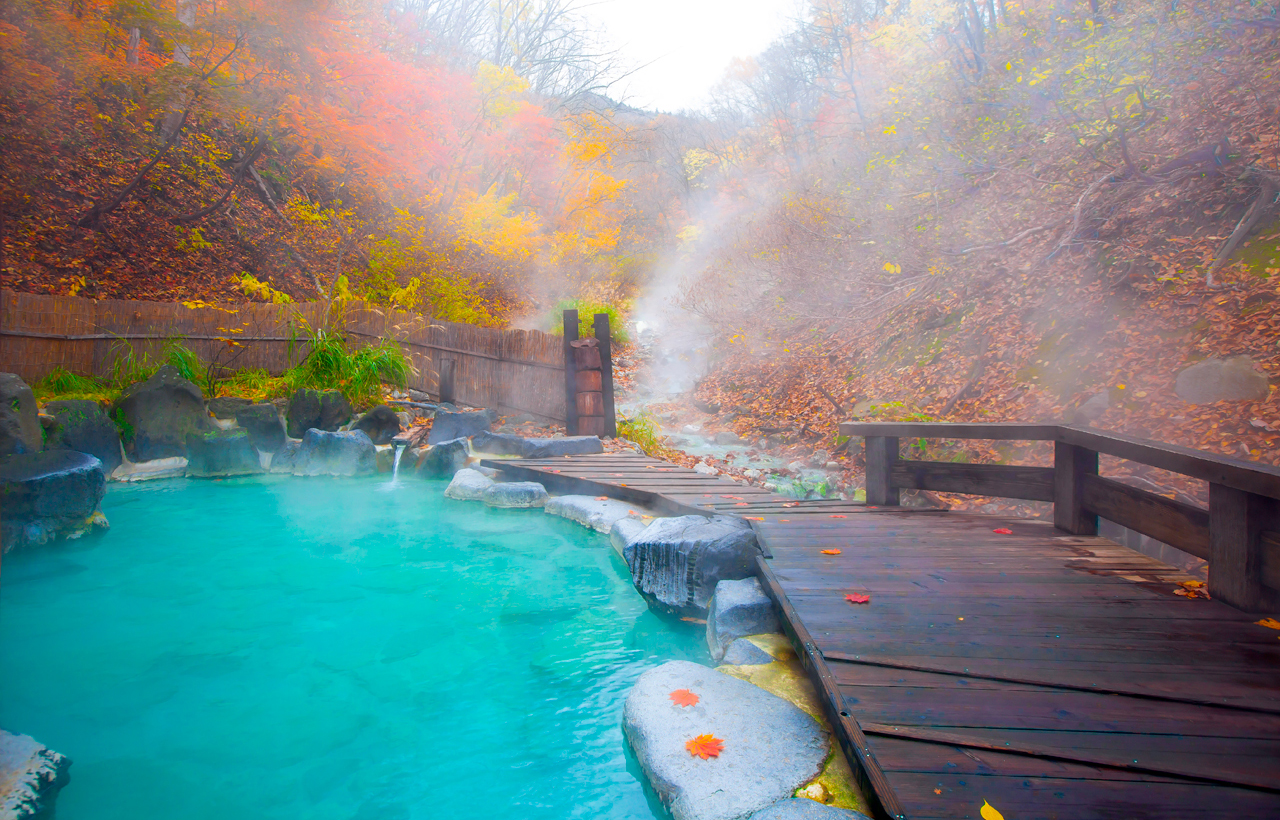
839	516
683	697
791	503
753	518
602	498
831	552
705	746
855	598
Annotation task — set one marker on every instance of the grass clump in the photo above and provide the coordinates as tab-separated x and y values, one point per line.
643	431
587	311
359	375
62	384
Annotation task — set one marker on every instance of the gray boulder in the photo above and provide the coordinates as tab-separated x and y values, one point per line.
771	747
339	454
262	422
677	562
727	437
219	453
380	424
738	608
54	494
309	409
802	808
157	415
567	446
624	530
590	511
19	426
468	485
226	407
443	460
82	425
448	426
1092	408
743	652
285	458
516	495
31	775
1235	378
498	444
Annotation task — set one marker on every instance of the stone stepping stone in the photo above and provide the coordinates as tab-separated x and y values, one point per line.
771	747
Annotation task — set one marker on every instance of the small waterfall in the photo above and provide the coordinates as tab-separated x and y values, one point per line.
399	448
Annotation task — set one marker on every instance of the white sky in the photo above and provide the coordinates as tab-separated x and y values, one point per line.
686	45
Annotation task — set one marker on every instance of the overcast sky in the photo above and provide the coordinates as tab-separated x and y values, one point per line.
685	45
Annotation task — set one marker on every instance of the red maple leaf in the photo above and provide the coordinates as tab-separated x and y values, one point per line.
855	598
683	697
1002	531
705	746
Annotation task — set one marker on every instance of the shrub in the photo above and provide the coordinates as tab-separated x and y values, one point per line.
586	319
642	430
359	375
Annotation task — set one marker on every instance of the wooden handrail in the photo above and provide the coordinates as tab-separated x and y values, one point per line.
1238	534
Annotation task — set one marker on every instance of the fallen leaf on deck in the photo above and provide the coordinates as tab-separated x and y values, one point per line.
705	746
989	812
937	791
742	504
1191	589
831	552
858	599
683	697
732	497
839	516
602	498
1002	531
1269	623
791	503
753	518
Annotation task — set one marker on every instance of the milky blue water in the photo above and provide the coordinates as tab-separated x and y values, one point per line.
321	648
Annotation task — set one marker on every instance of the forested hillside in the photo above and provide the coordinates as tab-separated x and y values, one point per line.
925	208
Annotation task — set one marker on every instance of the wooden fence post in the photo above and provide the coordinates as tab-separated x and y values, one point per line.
570	374
882	454
1241	530
606	373
1071	463
446	389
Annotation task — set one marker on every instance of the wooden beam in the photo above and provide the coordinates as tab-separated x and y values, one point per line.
1184	526
1237	521
605	343
1001	480
1070	465
882	455
1250	476
570	373
993	432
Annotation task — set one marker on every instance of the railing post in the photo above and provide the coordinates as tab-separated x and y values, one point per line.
570	373
882	454
605	343
1237	521
1071	463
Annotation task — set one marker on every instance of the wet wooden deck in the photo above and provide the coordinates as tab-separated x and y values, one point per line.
1048	674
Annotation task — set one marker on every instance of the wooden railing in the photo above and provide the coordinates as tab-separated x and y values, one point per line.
1238	533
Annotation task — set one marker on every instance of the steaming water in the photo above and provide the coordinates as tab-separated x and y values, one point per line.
395	465
314	648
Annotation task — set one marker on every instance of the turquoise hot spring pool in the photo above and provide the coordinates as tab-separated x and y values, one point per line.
274	647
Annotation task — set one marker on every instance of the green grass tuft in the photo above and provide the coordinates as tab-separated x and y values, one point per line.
586	319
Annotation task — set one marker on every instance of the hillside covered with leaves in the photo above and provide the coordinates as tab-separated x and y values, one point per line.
941	209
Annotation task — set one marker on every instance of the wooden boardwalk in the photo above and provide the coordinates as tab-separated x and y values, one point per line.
1050	674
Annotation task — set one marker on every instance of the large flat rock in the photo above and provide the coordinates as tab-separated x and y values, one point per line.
738	608
337	454
771	747
158	414
589	511
448	426
31	775
516	495
802	808
676	563
49	495
468	485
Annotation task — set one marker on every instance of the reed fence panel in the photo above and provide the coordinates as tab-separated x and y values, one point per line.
511	371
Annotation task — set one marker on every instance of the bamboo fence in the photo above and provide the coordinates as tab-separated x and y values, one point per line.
511	371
